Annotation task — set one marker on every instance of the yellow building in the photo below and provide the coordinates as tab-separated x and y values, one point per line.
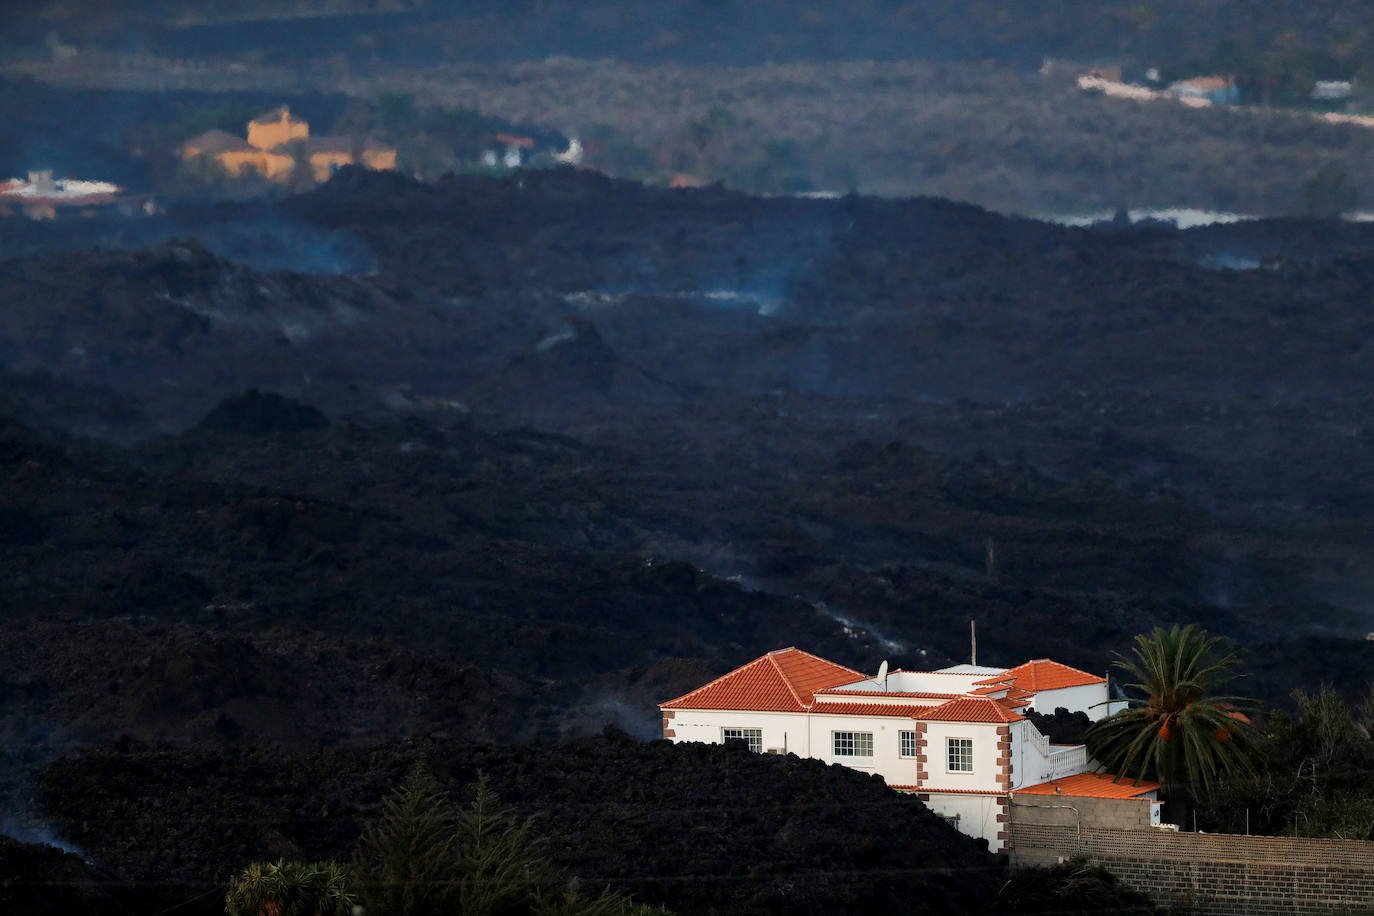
327	154
275	128
278	141
237	157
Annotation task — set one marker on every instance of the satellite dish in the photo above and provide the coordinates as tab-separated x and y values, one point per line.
882	675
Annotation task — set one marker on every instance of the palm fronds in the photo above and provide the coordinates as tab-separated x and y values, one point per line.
1180	729
290	889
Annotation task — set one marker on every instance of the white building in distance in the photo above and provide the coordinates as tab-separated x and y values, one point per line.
956	737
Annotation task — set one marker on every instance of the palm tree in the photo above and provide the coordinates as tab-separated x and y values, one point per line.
290	889
1183	732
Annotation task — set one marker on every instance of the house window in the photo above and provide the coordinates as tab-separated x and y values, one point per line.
959	752
907	741
750	736
853	744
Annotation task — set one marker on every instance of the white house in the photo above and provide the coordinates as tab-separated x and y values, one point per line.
1332	90
957	736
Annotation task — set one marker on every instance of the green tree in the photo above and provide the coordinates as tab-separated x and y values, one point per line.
290	889
569	900
1315	774
500	861
405	860
424	856
1180	729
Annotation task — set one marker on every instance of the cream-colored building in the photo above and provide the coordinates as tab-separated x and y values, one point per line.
237	157
275	128
278	141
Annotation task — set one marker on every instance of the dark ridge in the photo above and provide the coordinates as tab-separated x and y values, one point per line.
261	413
572	368
41	880
698	828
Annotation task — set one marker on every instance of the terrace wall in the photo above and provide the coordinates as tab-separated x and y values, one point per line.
1209	872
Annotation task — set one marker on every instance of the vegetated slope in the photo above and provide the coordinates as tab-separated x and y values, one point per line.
697	828
999	136
1165	32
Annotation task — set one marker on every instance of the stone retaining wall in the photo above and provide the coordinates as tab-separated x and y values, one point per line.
1213	873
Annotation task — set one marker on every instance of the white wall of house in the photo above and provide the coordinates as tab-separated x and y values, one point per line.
1075	699
811	736
1034	760
782	730
977	815
986	771
1026	757
886	761
921	682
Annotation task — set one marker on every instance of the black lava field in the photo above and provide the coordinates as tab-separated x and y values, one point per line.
506	461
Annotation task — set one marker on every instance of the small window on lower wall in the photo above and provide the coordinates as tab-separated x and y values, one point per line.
960	754
750	736
906	744
853	744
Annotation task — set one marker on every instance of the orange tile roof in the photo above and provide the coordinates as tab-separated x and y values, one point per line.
1092	785
1208	82
784	680
787	680
872	709
1043	674
217	141
972	709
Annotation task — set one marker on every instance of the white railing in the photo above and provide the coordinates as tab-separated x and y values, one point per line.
1068	761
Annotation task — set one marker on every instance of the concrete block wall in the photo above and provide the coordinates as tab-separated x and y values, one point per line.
1223	874
1078	810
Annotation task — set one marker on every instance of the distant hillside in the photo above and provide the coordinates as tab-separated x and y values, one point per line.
1325	35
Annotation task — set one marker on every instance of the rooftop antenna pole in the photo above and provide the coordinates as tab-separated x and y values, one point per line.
973	642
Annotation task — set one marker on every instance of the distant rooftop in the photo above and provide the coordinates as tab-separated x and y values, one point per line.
217	141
